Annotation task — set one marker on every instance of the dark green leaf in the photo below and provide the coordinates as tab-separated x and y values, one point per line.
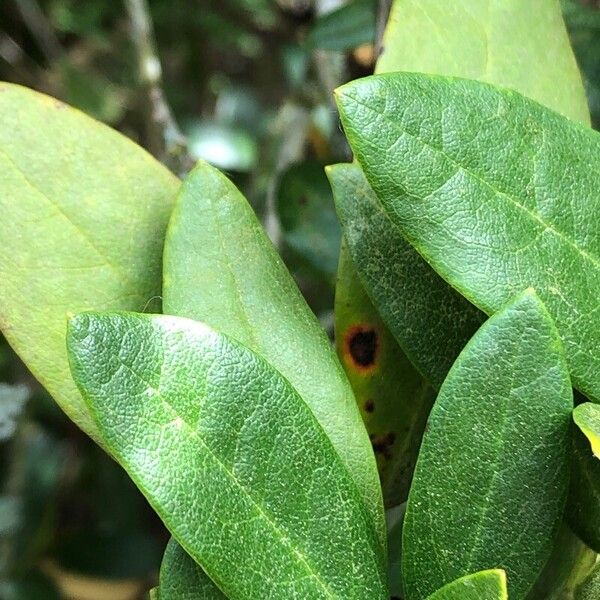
181	578
494	190
84	211
211	433
345	28
590	588
485	585
430	321
492	475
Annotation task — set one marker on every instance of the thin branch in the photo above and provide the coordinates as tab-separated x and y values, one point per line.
40	29
174	143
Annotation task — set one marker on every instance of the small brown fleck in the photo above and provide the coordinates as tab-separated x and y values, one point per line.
369	405
303	200
383	444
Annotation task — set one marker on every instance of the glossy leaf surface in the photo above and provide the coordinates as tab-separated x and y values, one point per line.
181	578
221	268
494	190
429	319
511	43
84	213
492	475
230	457
587	418
485	585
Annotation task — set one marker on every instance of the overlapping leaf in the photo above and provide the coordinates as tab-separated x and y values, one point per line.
84	212
485	585
184	408
492	475
494	190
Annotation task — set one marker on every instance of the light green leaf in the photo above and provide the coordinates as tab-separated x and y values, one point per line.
181	578
429	319
590	588
494	190
221	268
346	27
393	398
485	585
511	43
490	484
211	433
84	212
587	418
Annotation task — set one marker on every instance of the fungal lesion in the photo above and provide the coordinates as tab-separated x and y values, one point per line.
361	346
383	444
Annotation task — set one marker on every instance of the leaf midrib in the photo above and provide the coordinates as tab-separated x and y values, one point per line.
302	558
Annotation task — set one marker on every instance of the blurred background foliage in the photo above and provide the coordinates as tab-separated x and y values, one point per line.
246	85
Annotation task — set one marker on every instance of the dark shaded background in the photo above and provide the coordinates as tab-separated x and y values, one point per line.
246	85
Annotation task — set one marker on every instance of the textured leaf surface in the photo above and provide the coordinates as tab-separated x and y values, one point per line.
84	213
515	44
590	589
485	585
429	319
587	418
230	457
393	398
494	190
220	268
181	578
490	483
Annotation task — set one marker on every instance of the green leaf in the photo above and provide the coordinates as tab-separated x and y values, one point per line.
211	433
393	398
430	321
571	560
583	507
181	578
511	43
587	418
346	27
485	585
221	268
590	588
84	211
494	190
490	484
309	225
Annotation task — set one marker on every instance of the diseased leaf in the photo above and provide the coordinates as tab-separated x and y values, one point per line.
211	433
430	320
221	268
346	27
393	398
84	212
494	190
511	43
491	479
587	418
485	585
181	578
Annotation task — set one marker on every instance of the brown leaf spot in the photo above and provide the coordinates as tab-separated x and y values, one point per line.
361	346
369	405
382	444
